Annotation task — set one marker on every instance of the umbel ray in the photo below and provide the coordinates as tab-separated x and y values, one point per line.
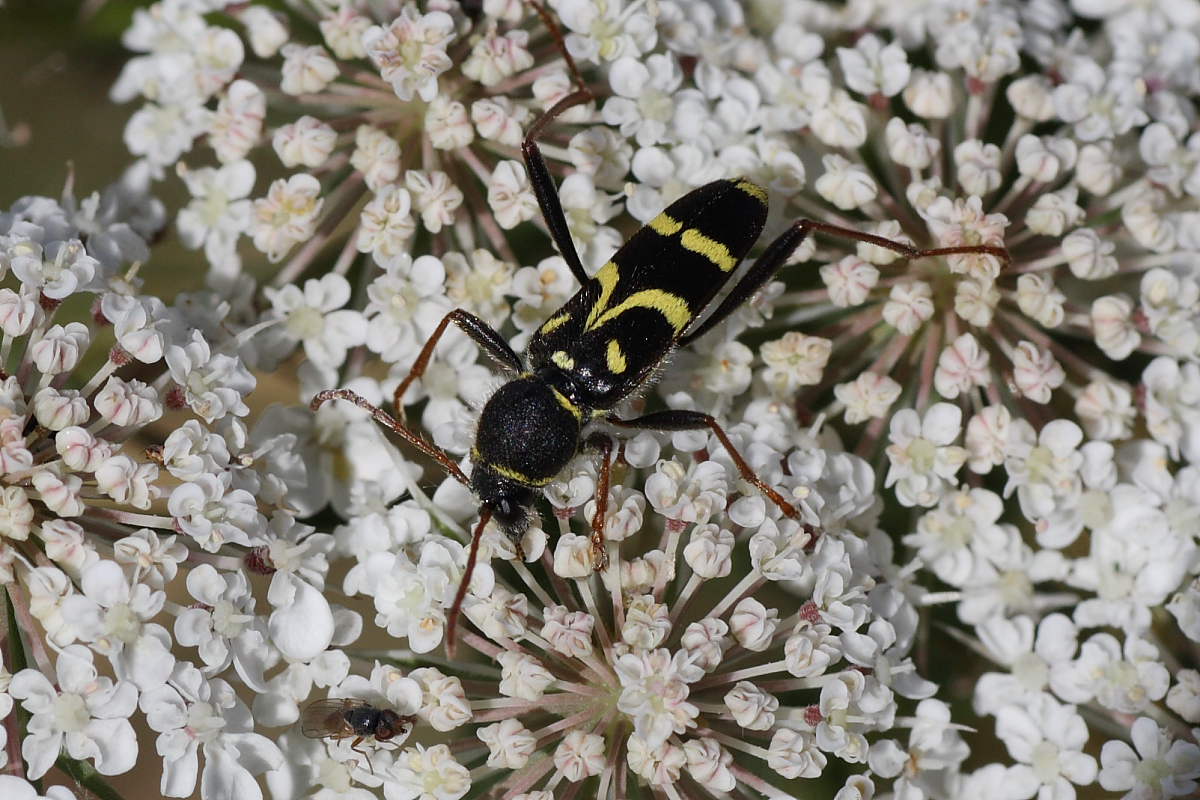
605	343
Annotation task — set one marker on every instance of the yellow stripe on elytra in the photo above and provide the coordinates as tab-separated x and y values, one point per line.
508	472
518	476
607	276
711	249
554	322
615	358
754	190
666	225
563	360
671	306
566	403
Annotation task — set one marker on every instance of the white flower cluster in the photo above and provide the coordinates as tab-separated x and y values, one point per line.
126	469
743	640
1026	433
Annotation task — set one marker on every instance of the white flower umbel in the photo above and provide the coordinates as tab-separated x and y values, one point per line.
1028	428
125	470
668	663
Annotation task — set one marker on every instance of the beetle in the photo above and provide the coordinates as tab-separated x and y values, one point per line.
345	717
607	341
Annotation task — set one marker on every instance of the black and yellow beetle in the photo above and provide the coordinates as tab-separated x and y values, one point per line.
605	343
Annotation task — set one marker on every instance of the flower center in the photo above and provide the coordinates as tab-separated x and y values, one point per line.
1040	465
51	270
227	621
410	52
957	534
1031	671
335	776
923	453
202	722
305	323
214	207
1015	588
1045	762
1096	508
70	713
401	306
444	783
286	557
1122	675
655	105
1151	772
122	624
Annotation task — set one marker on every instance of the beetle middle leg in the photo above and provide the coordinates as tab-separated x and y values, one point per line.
480	332
602	443
391	423
682	420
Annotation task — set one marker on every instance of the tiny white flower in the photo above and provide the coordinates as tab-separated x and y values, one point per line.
1160	767
410	52
287	215
962	366
307	142
510	195
909	306
419	773
923	460
306	70
435	196
84	713
872	67
845	184
1046	738
580	755
312	317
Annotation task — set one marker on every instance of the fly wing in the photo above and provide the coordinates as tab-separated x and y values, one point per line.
325	718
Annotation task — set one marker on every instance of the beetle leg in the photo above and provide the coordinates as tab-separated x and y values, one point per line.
785	244
463	584
682	420
535	163
388	421
479	331
604	444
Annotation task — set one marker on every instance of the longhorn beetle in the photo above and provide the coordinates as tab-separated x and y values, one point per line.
605	343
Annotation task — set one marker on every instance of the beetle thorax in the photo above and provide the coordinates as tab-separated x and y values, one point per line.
527	433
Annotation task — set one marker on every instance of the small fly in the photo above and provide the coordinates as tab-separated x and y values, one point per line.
345	717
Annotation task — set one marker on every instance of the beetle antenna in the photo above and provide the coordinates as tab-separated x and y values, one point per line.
555	31
456	608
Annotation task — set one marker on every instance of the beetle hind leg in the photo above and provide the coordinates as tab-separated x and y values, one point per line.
682	420
599	550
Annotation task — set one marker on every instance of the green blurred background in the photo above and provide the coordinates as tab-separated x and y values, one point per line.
58	64
59	59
